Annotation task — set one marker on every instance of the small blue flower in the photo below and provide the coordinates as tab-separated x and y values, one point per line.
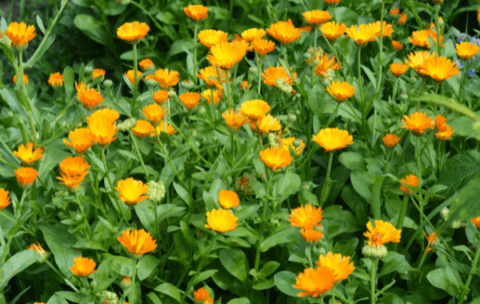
460	65
471	73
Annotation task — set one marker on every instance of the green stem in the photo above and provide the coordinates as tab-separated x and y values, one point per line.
421	91
373	273
419	156
165	152
212	105
381	48
401	217
195	53
262	224
333	294
148	14
465	291
135	83
139	154
228	88
464	72
420	265
330	120
437	26
110	180
260	61
61	275
284	52
314	55
394	90
218	159
189	143
328	181
83	215
134	274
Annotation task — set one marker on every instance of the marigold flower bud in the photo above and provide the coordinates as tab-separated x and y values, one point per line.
292	117
88	71
403	97
456	224
127	124
202	111
108	297
272	139
297	143
374	252
283	86
156	191
186	85
108	84
172	93
444	213
78	217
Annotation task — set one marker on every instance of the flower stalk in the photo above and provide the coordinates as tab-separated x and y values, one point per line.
138	153
328	182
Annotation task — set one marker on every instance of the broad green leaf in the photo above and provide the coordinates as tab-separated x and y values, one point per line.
203	276
146	266
235	262
288	185
169	290
239	301
286	235
92	27
284	281
447	279
447	102
16	264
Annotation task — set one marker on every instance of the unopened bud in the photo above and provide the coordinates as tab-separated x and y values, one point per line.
456	224
283	86
403	97
201	111
78	217
94	284
297	143
186	85
126	283
272	139
444	213
172	93
127	124
374	252
292	117
156	190
88	71
107	84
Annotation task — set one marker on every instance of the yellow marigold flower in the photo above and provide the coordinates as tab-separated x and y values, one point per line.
317	17
160	96
325	64
73	171
432	239
287	144
143	128
439	68
38	248
221	220
311	235
137	242
4	199
397	45
234	119
390	140
97	73
332	139
420	38
417	123
362	34
254	109
228	199
146	63
467	50
340	265
394	11
253	34
154	113
384	232
306	217
27	155
20	34
201	295
25	79
398	69
403	19
226	54
131	191
166	79
266	124
341	90
210	38
284	31
80	140
276	158
272	74
130	74
55	80
196	12
417	60
26	176
387	29
210	76
314	282
239	40
332	1
207	95
244	85
132	32
411	180
476	222
106	114
445	134
190	99
333	30
102	131
89	97
83	267
159	129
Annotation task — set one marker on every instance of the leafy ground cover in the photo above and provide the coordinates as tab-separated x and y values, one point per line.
240	152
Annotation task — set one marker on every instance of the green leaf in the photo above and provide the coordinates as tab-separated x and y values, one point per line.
146	266
8	52
394	262
39	52
448	103
184	195
169	290
235	262
289	184
377	197
93	28
69	81
88	244
239	301
447	279
352	160
280	237
284	281
55	299
16	264
464	204
121	265
167	18
203	276
269	268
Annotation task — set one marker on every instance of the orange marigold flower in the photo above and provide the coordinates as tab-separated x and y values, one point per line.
106	114
411	180
234	119
325	64
362	34
306	217
26	176
131	191
25	79
27	155
311	235
20	34
417	60
341	90
244	85
196	12
276	158
253	34
201	295
403	19
210	38
83	267
333	30
476	222
130	74
160	96
146	63
287	144
137	242
154	113
317	17
432	239
73	171
284	31
387	29
143	128
228	199
417	123
159	129
102	131
190	99
437	1
207	95
221	220
132	32
439	68
80	140
440	122
314	282
332	139
340	265
394	11
210	76
420	38
305	29
384	232
4	198
89	97
445	134
272	74
467	50
226	54
254	109
263	46
398	69
166	79
266	124
397	45
390	140
55	80
97	73
38	248
332	1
